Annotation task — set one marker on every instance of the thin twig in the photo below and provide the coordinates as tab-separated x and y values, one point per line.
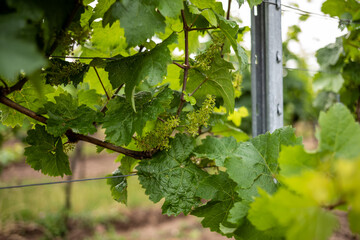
117	91
102	84
201	29
179	65
73	137
228	10
186	70
107	58
160	119
335	205
5	85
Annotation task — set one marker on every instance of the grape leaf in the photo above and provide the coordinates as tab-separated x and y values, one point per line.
353	218
149	66
100	9
293	160
29	97
217	80
253	3
299	217
121	122
66	114
139	19
256	163
327	82
230	30
17	54
339	133
107	41
336	8
46	153
118	187
247	231
220	189
169	8
329	55
217	149
238	212
172	175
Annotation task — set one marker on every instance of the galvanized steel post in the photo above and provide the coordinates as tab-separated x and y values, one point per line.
266	67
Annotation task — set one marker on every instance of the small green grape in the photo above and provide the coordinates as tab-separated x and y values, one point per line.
205	59
61	72
159	137
200	117
68	147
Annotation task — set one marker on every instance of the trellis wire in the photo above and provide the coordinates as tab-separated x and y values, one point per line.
308	13
67	181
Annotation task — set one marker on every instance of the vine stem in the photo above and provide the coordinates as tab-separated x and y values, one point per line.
74	137
186	65
228	10
102	84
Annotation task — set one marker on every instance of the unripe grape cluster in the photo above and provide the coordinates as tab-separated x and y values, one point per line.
200	117
205	59
159	137
61	72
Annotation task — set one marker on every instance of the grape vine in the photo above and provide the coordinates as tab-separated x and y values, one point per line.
141	74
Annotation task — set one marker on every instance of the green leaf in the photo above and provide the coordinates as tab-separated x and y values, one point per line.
127	164
172	175
17	53
66	114
339	133
256	162
46	153
118	187
230	30
216	211
238	212
30	97
139	19
150	66
121	122
170	8
336	8
101	8
327	82
107	41
329	55
227	130
354	222
293	160
217	80
297	217
248	232
217	149
253	3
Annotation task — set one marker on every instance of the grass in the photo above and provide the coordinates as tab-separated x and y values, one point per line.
90	200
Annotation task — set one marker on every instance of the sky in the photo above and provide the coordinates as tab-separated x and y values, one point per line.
317	31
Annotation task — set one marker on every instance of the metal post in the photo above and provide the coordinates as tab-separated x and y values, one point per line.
266	67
